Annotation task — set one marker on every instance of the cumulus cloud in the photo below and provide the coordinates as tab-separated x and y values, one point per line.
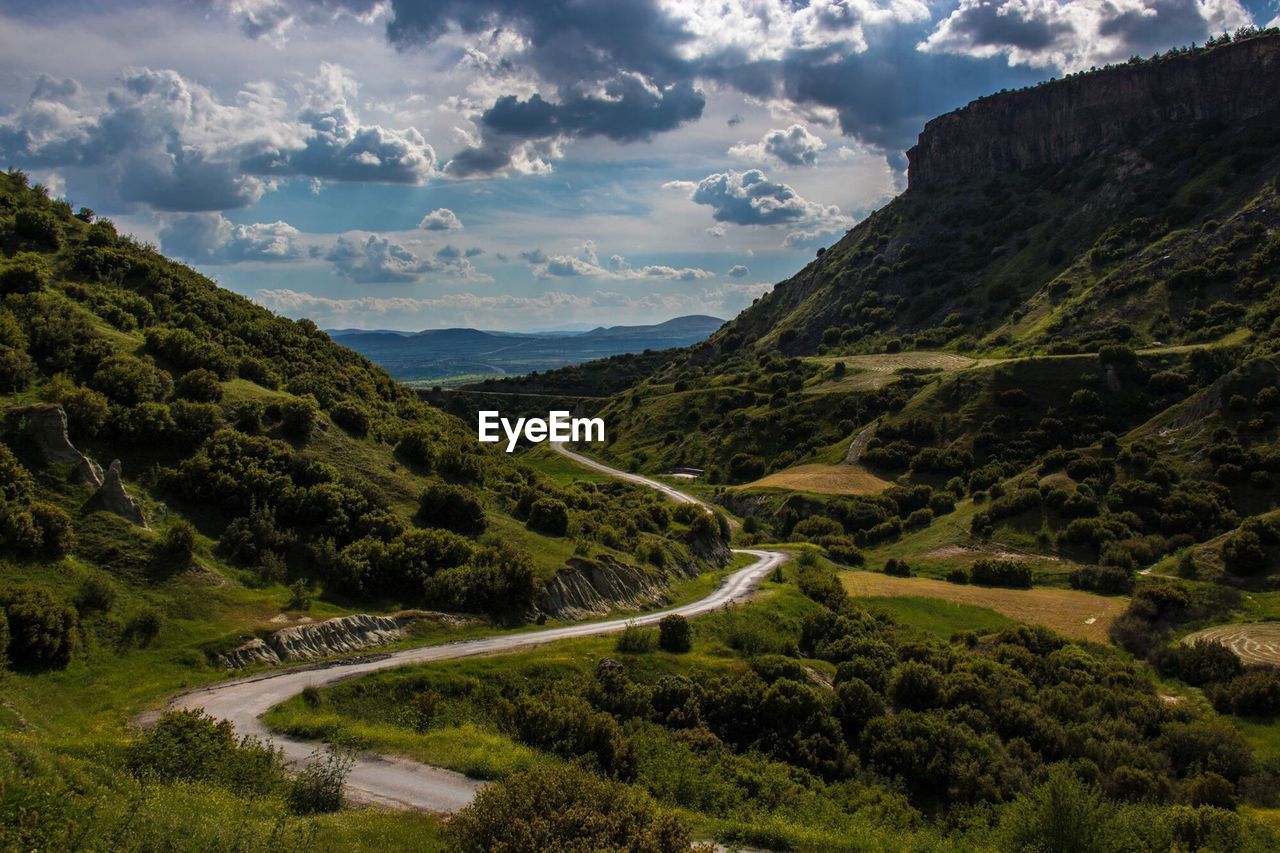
738	271
161	140
586	263
1075	34
376	260
211	239
440	219
750	198
794	146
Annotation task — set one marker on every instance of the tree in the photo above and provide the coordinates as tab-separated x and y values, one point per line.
42	631
564	808
1062	815
674	634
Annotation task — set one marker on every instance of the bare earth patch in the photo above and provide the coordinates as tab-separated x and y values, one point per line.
824	480
947	552
868	372
1257	642
1070	612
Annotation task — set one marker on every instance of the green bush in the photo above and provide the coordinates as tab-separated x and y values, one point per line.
42	631
452	508
550	516
298	417
352	417
991	572
636	640
191	746
317	788
564	808
25	272
200	386
674	634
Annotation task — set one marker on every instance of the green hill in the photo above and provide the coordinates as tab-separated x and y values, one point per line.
267	476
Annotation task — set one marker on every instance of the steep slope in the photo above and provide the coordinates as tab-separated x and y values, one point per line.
1058	342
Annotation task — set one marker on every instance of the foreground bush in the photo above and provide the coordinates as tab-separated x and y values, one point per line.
674	634
565	809
191	746
318	787
42	631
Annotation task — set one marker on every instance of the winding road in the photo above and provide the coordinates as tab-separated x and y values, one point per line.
403	783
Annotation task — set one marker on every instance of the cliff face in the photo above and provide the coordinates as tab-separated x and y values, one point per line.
1060	121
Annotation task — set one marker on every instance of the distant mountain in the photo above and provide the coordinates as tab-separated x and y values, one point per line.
448	356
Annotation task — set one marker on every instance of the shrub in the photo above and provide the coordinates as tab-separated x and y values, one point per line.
130	381
992	572
26	272
550	516
419	447
317	788
674	634
1255	693
453	508
96	595
815	527
191	746
1244	553
57	535
42	631
1108	579
144	627
352	417
178	544
897	568
38	226
298	417
958	575
564	808
199	386
1199	663
635	640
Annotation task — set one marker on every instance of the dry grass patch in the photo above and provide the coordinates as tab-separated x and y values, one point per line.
824	480
868	372
1072	613
1253	643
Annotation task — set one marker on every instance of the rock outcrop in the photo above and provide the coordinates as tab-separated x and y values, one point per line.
1060	121
111	496
596	587
341	635
45	424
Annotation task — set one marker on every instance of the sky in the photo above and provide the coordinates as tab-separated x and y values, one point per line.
519	164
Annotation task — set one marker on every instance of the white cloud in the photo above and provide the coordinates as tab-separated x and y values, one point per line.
585	263
794	146
159	139
738	271
210	238
440	219
750	198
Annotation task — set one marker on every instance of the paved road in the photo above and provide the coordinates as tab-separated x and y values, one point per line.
400	782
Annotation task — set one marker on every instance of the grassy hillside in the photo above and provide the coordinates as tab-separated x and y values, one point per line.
279	477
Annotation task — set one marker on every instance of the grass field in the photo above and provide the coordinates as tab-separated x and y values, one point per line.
1072	613
938	617
823	480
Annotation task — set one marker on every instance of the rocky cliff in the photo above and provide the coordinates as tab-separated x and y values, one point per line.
1060	121
341	635
597	587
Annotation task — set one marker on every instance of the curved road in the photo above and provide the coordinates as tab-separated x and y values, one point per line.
400	782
